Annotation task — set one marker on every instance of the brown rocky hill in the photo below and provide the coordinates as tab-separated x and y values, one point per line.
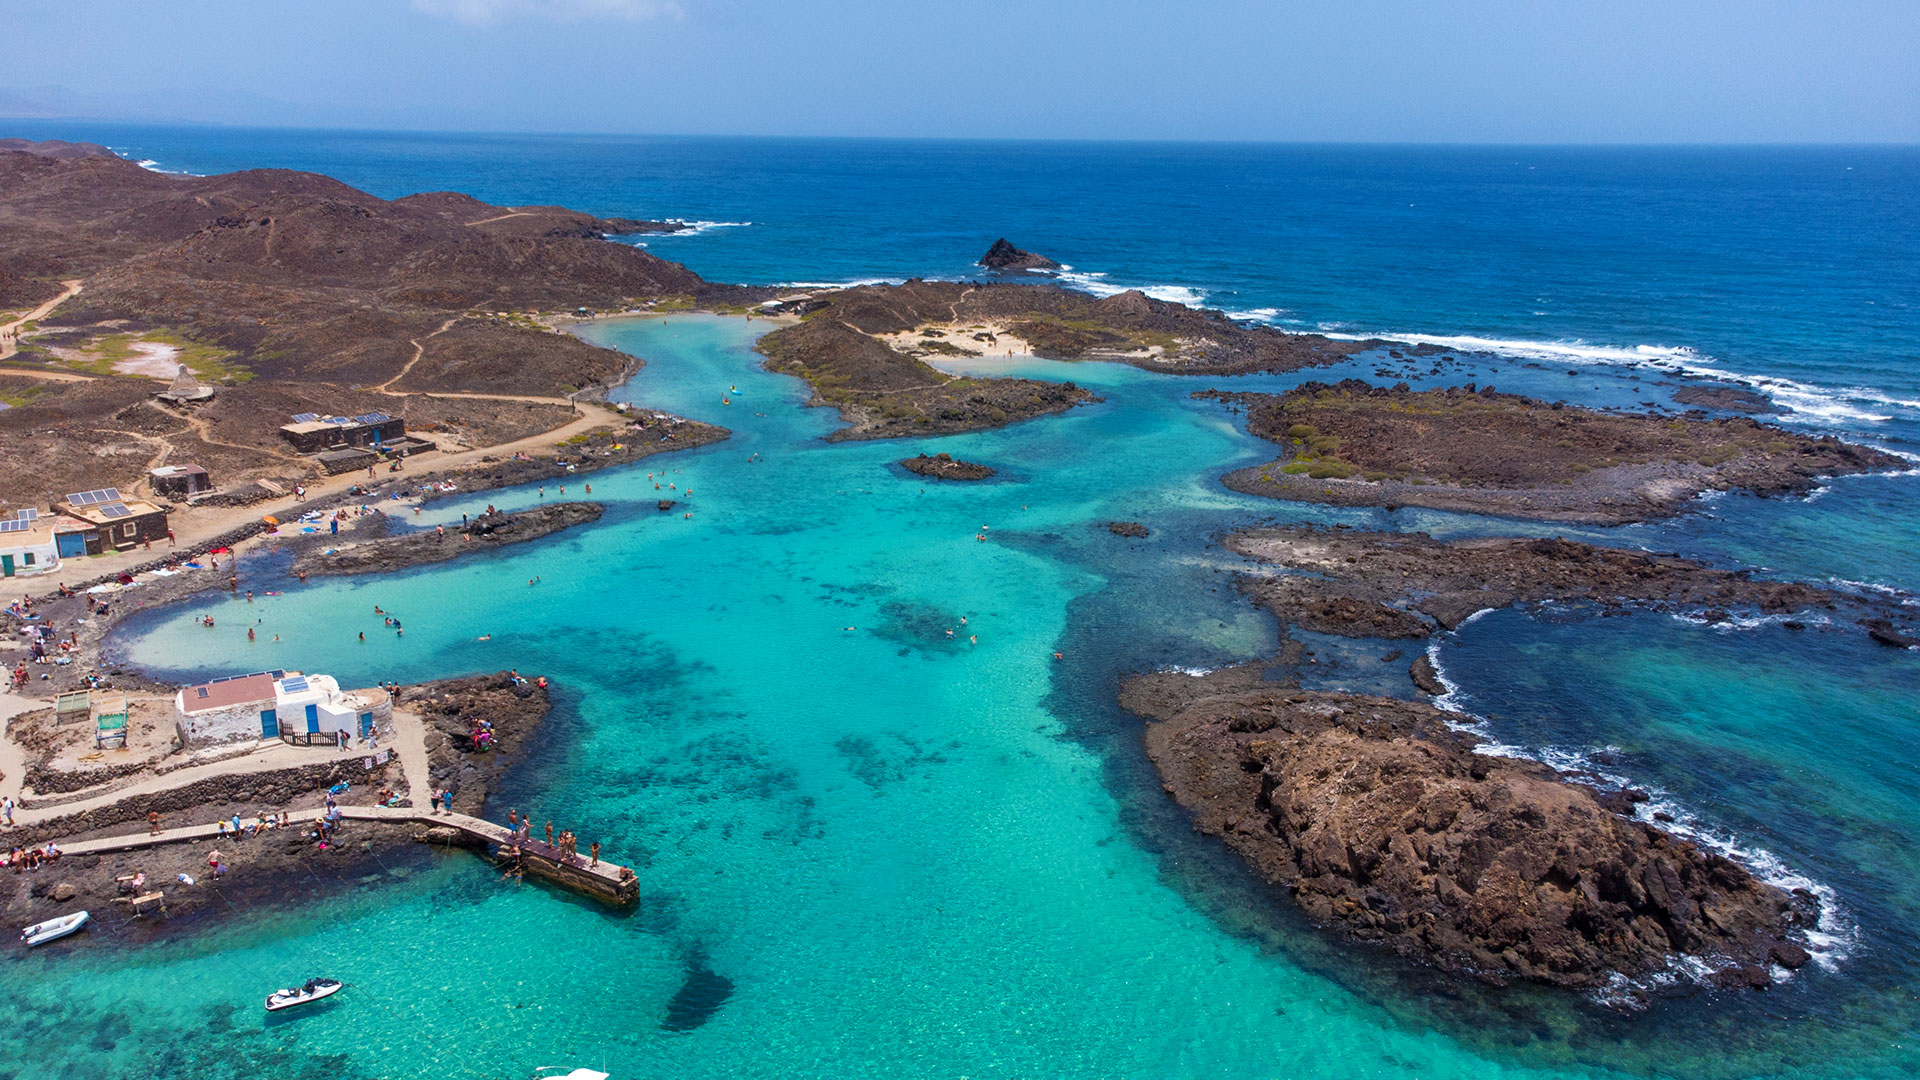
305	277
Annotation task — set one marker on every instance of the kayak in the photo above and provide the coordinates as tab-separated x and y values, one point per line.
313	990
552	1072
53	929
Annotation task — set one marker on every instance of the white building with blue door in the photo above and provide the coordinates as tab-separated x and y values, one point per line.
277	705
27	544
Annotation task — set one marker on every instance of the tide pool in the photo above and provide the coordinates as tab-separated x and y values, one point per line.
910	854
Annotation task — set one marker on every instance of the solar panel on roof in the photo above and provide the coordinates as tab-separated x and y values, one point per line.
26	513
305	417
295	685
372	418
94	498
115	510
338	420
14	525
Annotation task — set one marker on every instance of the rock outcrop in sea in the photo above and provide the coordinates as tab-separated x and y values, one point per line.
1004	257
1381	820
945	466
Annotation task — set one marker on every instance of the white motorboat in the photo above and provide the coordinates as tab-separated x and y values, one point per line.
562	1072
53	929
306	993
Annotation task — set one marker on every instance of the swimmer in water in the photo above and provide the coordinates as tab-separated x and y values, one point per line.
484	637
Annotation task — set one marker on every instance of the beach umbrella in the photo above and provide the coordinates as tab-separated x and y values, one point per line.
271	520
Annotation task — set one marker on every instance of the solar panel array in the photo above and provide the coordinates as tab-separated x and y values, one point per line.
26	513
8	525
115	510
372	418
95	498
305	417
295	685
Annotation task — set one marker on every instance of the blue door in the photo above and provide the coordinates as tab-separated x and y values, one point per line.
71	544
6	566
313	719
366	724
269	724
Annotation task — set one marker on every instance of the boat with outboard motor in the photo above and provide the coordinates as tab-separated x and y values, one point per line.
310	991
54	929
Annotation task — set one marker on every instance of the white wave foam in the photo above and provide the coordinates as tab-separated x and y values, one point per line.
695	228
1259	314
1098	285
1733	623
840	284
151	165
1196	672
1811	404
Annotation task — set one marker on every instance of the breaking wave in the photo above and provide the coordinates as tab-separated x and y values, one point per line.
1097	284
1811	404
695	228
1830	941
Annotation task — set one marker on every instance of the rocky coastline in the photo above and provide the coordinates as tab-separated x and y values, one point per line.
1363	584
1381	821
1474	450
486	532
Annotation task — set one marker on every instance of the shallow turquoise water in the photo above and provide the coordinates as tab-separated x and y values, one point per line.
915	856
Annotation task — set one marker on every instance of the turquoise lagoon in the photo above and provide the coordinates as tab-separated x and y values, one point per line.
910	855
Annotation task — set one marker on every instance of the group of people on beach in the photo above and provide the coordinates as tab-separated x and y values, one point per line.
234	829
33	858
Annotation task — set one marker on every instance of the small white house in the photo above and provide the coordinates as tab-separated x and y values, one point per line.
27	545
277	704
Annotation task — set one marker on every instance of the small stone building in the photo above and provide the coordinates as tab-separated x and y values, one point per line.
311	433
114	522
181	480
276	704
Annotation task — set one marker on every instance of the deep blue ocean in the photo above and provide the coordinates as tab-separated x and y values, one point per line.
912	856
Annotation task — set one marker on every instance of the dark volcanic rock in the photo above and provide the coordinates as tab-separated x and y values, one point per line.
1380	820
490	530
1727	399
1358	583
1474	450
1884	632
1004	256
1131	529
946	467
1425	677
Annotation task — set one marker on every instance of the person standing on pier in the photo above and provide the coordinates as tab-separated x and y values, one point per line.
549	834
595	848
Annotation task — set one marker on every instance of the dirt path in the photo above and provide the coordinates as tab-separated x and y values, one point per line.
419	350
203	524
10	332
13	763
49	374
500	217
410	742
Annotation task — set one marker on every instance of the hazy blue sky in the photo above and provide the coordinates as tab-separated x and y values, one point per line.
1372	70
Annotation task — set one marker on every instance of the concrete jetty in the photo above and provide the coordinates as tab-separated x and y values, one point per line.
605	881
